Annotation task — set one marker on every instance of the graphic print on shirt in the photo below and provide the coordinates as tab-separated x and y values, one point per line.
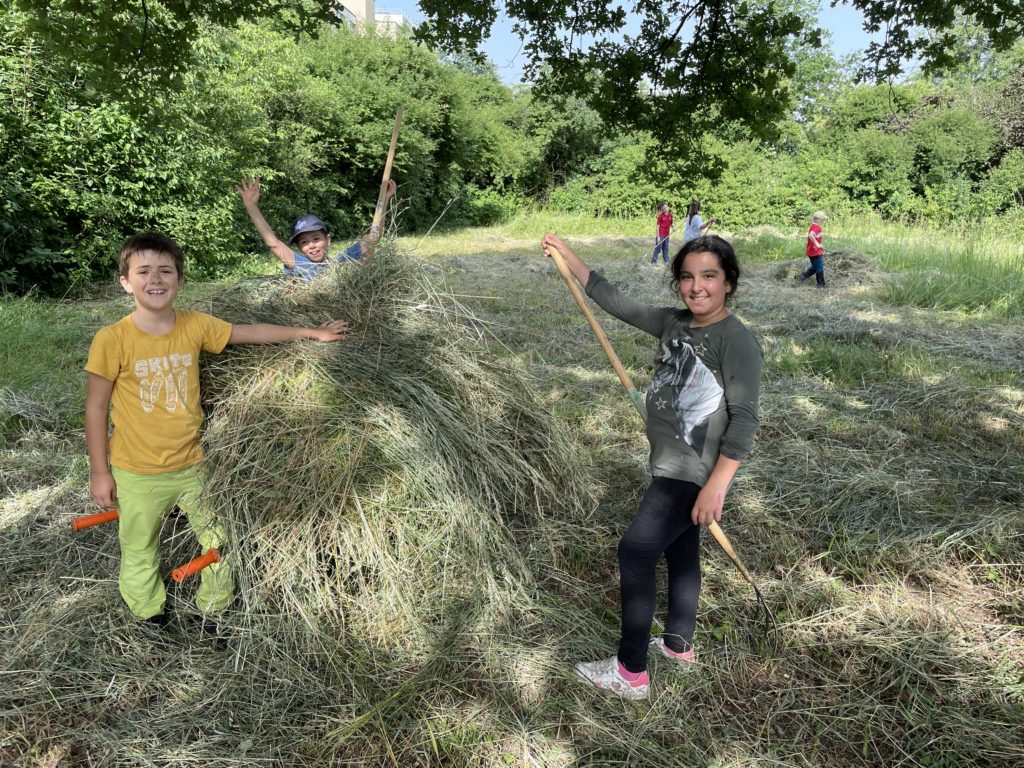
696	393
167	375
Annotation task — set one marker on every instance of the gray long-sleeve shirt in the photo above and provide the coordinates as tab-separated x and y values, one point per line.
702	400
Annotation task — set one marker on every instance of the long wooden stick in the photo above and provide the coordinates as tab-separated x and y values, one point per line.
627	383
634	396
378	213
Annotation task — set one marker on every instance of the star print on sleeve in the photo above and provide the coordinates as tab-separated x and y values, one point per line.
661	403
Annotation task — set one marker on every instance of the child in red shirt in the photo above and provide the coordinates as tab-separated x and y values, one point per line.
665	228
815	252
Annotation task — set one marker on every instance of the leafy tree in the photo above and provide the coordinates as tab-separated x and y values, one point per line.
939	47
697	63
951	142
117	45
879	166
868	106
566	138
80	171
1010	111
1003	189
818	76
973	57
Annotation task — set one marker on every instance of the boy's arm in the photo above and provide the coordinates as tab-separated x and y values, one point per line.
102	488
263	333
249	191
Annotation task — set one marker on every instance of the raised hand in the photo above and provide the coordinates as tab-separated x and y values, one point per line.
249	190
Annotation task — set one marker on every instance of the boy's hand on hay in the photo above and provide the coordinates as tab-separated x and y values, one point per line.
103	489
332	330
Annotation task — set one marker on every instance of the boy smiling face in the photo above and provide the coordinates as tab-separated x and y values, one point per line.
152	278
314	245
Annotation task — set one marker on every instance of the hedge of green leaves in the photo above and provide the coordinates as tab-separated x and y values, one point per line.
80	170
82	166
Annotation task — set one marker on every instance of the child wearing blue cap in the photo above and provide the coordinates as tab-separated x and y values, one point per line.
309	236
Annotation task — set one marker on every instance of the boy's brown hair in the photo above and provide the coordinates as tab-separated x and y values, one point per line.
150	241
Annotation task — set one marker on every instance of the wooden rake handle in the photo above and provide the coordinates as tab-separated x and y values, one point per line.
627	383
378	213
634	396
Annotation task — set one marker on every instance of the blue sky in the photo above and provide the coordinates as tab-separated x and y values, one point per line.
844	24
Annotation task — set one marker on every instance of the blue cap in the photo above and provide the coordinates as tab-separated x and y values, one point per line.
307	223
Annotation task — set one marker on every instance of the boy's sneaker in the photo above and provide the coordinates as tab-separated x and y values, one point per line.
209	629
605	674
159	620
686	657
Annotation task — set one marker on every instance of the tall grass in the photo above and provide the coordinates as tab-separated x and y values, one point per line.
967	270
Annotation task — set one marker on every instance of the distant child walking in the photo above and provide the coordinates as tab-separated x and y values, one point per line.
146	366
309	236
663	230
695	225
702	415
815	252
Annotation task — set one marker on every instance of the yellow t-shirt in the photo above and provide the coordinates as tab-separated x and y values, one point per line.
156	410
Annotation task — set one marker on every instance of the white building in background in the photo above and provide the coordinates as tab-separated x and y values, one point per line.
361	12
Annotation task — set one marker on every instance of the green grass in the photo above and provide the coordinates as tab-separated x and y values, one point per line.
966	270
879	510
970	271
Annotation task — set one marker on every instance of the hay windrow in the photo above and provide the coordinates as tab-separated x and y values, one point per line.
404	606
370	486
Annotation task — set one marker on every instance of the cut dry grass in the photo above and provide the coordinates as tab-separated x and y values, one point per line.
426	541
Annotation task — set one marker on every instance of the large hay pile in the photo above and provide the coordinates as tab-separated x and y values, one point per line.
394	506
371	486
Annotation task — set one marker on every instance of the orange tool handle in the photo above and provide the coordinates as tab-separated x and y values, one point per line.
88	521
195	566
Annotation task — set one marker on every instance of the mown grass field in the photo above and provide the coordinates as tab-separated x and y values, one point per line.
881	511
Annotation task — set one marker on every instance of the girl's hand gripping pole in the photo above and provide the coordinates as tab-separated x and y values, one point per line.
209	557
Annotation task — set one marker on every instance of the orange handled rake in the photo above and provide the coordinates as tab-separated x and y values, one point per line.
770	625
88	521
209	557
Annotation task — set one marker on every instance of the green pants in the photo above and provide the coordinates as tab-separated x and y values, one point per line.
142	502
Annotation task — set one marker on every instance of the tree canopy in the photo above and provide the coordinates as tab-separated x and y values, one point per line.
115	44
679	68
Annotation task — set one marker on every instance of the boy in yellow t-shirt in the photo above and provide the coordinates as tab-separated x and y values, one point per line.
146	366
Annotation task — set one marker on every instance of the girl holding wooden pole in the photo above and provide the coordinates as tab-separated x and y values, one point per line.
702	415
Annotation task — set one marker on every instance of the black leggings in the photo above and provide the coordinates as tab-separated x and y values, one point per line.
661	525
